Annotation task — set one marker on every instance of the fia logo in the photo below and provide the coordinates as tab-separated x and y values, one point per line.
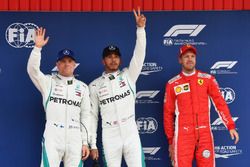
146	125
20	35
228	94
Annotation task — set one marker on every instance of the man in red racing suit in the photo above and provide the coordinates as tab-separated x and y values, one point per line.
187	102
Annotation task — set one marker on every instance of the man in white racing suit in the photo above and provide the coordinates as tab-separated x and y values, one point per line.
114	95
67	106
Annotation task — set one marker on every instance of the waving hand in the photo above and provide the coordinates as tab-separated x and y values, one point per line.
39	40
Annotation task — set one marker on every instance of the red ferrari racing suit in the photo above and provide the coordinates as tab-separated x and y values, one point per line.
187	101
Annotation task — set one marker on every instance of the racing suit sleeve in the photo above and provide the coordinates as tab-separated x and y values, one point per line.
94	115
85	116
220	104
169	113
137	60
33	68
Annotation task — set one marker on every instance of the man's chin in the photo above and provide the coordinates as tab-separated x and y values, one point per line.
66	74
189	69
114	68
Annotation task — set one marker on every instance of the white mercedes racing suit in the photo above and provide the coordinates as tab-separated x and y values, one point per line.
114	95
67	106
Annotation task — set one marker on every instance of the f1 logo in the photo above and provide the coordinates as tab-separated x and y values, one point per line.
225	64
151	150
192	29
147	93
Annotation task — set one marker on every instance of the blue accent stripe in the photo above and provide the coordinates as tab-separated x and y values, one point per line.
45	157
104	159
47	101
142	158
80	163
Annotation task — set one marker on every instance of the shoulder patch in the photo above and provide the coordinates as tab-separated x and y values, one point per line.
81	83
204	75
174	79
84	85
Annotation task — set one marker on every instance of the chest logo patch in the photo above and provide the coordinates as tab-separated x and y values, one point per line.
178	89
200	81
183	88
121	82
78	91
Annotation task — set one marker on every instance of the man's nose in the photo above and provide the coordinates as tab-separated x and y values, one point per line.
67	63
113	59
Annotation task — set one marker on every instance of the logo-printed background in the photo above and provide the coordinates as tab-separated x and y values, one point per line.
223	50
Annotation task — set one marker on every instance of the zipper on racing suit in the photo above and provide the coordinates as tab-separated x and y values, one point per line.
195	116
198	133
111	81
113	84
66	116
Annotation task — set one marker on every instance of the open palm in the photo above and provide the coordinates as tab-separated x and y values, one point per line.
39	40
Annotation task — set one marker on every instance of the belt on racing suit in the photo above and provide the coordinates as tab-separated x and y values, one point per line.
116	122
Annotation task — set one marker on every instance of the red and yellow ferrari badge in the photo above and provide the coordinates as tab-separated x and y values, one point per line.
200	81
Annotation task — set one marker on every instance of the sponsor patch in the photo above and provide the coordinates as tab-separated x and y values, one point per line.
206	153
182	88
178	89
121	82
78	93
70	82
115	98
186	87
